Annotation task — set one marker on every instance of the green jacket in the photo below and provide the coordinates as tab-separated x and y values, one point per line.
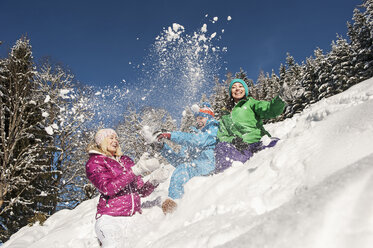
246	119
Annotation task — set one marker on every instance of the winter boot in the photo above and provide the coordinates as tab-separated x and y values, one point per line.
168	206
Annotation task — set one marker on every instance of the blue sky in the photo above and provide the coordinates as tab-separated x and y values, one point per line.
97	39
103	41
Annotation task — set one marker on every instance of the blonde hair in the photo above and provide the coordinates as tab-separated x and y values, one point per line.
102	148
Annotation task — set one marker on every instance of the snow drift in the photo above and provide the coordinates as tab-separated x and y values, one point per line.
314	189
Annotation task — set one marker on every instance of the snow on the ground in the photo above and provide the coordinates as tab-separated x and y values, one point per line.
314	189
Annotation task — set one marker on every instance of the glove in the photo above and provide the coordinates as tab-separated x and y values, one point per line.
289	94
145	165
240	144
162	135
159	176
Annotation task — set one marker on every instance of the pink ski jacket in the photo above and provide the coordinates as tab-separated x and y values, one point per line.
120	188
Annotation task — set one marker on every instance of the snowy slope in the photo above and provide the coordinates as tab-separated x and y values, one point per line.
314	189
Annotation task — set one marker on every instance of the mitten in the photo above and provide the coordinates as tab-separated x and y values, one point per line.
162	135
145	165
159	176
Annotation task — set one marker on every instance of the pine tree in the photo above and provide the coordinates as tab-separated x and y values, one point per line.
25	167
361	35
343	71
310	80
220	96
261	84
187	120
274	85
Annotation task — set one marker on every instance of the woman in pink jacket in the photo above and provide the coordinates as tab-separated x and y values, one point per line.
120	184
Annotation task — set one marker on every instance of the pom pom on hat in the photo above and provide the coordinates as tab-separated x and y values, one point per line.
195	108
102	134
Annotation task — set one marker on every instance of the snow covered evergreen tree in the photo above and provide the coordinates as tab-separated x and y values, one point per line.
261	85
342	58
220	96
25	165
187	120
310	78
274	86
360	33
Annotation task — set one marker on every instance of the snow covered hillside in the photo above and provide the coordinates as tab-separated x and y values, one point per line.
314	189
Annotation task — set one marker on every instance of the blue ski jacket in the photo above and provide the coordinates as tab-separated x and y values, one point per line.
197	148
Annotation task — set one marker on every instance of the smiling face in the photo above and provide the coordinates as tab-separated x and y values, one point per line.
201	121
112	143
238	91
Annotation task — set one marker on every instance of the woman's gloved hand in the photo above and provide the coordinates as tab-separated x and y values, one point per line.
159	176
145	165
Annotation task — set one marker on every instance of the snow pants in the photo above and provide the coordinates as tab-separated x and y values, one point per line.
112	231
226	153
183	173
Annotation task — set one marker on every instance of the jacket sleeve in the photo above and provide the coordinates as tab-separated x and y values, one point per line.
269	109
201	139
146	189
172	156
104	180
223	133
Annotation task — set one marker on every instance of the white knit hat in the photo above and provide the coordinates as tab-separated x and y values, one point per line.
102	134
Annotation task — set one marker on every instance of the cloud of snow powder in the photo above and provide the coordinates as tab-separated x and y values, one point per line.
180	67
177	70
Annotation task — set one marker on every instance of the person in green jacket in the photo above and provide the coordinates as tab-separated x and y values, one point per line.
240	132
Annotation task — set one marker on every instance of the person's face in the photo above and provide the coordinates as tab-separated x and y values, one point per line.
112	143
201	121
238	91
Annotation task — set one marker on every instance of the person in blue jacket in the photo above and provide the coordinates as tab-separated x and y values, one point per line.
196	156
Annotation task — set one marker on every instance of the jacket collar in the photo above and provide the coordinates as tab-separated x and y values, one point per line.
95	152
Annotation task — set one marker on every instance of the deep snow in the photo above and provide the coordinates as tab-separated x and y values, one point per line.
314	189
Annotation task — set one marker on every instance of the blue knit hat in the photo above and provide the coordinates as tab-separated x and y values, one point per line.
237	80
205	110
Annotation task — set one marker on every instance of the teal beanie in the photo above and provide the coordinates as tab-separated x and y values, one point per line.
237	80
